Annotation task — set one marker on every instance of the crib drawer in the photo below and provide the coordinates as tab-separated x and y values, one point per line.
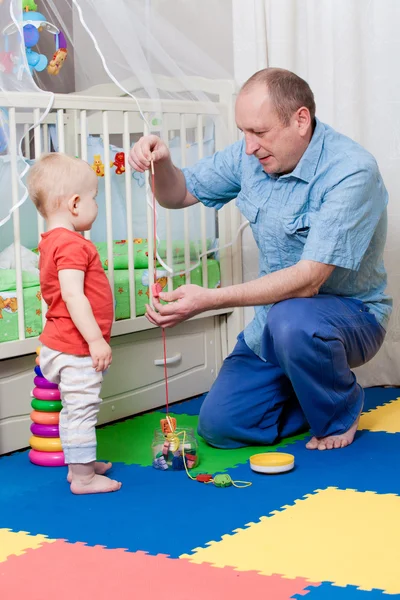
136	381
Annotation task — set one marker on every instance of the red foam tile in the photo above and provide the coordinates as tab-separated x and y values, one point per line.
64	571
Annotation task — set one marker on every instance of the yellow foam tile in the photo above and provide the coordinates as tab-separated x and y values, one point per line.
17	542
383	418
343	536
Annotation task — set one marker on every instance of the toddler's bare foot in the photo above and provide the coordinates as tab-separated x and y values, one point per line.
99	467
331	442
85	480
98	484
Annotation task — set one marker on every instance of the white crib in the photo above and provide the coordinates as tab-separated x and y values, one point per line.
196	348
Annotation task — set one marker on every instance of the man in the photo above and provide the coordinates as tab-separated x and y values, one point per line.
316	204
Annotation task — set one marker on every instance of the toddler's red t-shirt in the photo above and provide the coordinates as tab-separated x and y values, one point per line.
64	249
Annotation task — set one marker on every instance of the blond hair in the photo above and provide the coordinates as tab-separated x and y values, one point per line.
54	178
287	91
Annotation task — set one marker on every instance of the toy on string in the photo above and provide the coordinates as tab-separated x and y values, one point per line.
33	23
175	448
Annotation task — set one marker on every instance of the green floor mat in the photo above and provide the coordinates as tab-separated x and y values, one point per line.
130	442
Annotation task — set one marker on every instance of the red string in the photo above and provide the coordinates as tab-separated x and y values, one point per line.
164	337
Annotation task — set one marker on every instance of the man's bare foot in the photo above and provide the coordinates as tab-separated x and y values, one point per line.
98	484
334	441
99	468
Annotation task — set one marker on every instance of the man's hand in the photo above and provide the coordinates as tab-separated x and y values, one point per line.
101	354
183	303
147	148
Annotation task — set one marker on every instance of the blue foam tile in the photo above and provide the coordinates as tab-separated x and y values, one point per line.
166	512
369	464
328	591
20	476
187	407
155	511
376	396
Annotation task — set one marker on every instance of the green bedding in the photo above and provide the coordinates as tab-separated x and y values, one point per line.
32	297
140	252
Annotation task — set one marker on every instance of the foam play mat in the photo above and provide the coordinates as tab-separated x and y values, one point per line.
328	529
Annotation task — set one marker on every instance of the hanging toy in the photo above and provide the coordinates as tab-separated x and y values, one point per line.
57	61
33	22
98	166
119	163
59	56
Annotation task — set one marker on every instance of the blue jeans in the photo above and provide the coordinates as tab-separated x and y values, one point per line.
311	345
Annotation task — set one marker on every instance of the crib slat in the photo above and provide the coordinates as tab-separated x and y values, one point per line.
186	225
45	138
40	220
16	221
84	152
26	141
84	134
129	217
203	209
168	214
60	130
75	130
107	188
150	232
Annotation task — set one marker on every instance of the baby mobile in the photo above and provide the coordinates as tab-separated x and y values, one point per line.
33	23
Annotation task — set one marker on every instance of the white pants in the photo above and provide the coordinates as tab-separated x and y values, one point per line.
80	387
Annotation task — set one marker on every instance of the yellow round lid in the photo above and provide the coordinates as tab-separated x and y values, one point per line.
272	459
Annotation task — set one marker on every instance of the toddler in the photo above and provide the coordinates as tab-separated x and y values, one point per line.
76	336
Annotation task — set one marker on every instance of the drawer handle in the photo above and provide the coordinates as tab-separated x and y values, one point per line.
172	360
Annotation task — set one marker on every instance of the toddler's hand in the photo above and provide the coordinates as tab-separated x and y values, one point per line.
101	354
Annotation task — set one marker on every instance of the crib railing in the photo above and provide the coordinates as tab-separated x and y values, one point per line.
77	116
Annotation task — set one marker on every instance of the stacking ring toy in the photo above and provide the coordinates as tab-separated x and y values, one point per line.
45	444
44	384
38	350
44	394
51	431
45	418
47	459
38	371
272	462
46	405
37	361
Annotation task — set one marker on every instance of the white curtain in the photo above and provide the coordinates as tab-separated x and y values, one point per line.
348	51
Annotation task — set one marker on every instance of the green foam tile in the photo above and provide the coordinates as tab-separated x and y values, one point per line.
130	442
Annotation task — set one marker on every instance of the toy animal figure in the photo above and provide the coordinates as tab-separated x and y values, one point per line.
119	162
98	166
57	61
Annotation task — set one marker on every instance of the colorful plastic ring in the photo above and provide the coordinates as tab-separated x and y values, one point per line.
42	394
51	431
46	405
38	371
45	418
47	459
37	361
45	444
44	384
38	350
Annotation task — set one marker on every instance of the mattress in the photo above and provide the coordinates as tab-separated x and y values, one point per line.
32	295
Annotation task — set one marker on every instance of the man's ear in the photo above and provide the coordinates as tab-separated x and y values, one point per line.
73	205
